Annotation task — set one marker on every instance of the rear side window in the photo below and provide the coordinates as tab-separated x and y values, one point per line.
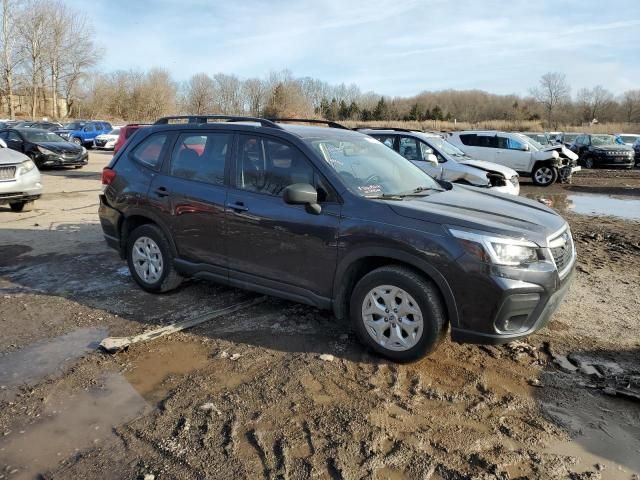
149	151
386	139
469	139
201	157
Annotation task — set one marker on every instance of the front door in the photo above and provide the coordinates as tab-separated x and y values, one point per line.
272	243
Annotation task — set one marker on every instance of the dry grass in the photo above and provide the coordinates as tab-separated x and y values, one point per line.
504	125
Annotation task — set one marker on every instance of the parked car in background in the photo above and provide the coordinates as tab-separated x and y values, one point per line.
125	134
107	141
628	138
82	132
565	138
333	218
444	161
636	149
46	149
540	137
20	183
517	151
51	126
602	151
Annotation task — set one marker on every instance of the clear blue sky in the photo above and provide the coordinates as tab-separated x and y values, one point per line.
393	47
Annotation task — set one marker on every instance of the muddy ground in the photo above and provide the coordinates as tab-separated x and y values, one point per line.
248	396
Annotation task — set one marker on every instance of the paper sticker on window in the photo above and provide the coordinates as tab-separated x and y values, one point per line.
369	189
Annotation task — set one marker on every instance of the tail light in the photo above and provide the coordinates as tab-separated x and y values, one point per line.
108	176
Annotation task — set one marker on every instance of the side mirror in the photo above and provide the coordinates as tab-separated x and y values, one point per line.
525	147
302	194
432	159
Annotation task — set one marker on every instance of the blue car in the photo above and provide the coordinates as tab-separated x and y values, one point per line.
82	132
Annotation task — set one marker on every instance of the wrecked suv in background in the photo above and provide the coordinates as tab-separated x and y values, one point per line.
444	161
545	165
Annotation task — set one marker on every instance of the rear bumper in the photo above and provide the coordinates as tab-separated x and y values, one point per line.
110	219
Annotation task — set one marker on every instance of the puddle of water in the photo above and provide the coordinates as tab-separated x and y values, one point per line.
69	424
593	204
600	440
31	364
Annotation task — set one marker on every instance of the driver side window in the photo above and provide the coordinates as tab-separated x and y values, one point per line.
409	148
513	144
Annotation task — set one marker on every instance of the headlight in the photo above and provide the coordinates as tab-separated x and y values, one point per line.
497	250
26	167
84	150
46	151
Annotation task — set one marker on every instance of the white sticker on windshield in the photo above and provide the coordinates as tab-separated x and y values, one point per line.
369	189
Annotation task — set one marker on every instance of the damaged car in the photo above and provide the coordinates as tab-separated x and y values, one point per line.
20	183
603	151
545	165
444	161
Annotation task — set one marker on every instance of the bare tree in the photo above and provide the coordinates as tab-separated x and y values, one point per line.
200	94
33	36
594	103
254	91
630	105
552	92
228	94
10	57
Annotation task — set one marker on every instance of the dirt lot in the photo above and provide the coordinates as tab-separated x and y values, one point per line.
248	396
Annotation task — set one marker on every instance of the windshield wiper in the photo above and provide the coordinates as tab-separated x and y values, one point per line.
386	196
419	190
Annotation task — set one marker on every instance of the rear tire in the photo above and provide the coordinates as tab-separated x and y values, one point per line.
544	175
22	206
398	313
151	261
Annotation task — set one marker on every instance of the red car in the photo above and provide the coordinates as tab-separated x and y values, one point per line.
125	133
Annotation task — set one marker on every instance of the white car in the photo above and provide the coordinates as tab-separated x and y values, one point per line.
107	141
20	183
444	161
628	138
530	159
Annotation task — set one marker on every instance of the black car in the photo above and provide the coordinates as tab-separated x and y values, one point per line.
45	148
636	149
602	151
333	218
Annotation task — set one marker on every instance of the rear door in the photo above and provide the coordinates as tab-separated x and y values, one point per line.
191	187
271	243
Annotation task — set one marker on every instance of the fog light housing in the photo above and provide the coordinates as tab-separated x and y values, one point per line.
513	316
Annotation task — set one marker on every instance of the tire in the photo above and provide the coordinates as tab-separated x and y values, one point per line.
77	141
544	175
157	275
588	162
424	318
21	206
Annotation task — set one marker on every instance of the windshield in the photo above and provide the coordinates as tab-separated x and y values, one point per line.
628	138
570	137
540	138
370	169
38	136
533	145
73	126
603	140
115	131
445	147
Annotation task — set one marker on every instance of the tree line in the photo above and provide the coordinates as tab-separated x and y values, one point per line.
47	52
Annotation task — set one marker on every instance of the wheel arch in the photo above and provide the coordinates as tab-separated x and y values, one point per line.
137	218
357	264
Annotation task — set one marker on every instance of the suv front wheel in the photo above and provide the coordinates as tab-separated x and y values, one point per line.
150	260
544	175
397	313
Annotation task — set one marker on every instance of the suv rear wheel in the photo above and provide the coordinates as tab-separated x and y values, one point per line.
150	260
397	313
544	175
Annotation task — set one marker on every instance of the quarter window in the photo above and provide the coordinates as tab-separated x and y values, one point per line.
148	152
269	166
201	157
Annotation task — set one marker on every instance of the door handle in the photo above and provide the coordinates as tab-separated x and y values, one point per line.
237	206
161	191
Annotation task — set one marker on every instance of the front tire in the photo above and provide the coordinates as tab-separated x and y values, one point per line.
21	206
77	141
544	175
398	313
150	260
588	162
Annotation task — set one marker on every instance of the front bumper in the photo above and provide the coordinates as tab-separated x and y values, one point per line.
56	160
23	188
610	161
512	188
104	144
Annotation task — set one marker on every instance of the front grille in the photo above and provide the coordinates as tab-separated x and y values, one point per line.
100	143
514	181
561	248
7	173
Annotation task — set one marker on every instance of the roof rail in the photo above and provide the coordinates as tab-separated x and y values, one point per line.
396	129
204	119
328	123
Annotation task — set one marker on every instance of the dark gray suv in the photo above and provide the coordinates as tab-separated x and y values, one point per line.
333	218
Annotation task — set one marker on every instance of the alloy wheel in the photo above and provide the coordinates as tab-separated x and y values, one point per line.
544	175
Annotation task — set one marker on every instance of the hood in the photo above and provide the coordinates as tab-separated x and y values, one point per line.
561	150
11	157
483	210
61	147
612	148
490	167
106	136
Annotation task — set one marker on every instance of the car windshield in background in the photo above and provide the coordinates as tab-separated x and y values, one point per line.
533	145
74	126
628	139
446	147
371	169
569	138
36	136
603	140
541	139
115	131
